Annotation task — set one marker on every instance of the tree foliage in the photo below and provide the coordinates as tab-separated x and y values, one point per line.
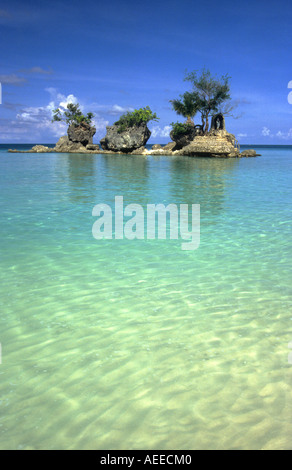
207	96
209	93
180	128
72	115
135	118
186	106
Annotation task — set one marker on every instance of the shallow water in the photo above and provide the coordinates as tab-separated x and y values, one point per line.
119	344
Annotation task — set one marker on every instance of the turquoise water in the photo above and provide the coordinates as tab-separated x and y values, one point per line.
120	344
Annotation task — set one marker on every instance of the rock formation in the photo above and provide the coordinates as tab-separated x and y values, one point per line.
169	147
66	145
185	139
181	140
40	149
125	141
211	145
216	143
81	133
94	147
249	153
78	138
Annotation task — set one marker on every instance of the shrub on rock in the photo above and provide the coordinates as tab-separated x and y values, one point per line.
130	132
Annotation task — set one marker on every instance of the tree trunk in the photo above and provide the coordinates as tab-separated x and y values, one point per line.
190	121
206	125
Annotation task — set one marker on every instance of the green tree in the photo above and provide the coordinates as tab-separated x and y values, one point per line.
72	115
186	106
209	93
136	118
180	128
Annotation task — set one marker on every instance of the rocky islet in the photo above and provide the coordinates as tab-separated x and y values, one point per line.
216	143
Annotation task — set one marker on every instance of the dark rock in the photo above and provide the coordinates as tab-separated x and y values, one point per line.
183	140
81	133
126	141
78	137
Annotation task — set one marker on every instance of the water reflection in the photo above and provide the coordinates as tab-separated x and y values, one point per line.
202	181
81	176
128	176
76	175
142	180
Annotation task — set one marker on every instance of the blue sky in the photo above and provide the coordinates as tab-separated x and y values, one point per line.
114	55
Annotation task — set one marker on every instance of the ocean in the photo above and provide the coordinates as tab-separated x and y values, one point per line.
138	344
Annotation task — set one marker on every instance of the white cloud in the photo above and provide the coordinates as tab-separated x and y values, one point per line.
67	100
38	70
116	109
241	135
100	124
266	132
59	100
34	123
157	131
38	119
112	110
13	133
12	79
284	135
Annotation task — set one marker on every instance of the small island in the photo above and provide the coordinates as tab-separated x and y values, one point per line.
209	96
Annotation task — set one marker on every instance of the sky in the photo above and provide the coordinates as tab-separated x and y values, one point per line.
118	55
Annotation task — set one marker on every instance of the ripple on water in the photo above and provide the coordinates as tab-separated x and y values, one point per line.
124	345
